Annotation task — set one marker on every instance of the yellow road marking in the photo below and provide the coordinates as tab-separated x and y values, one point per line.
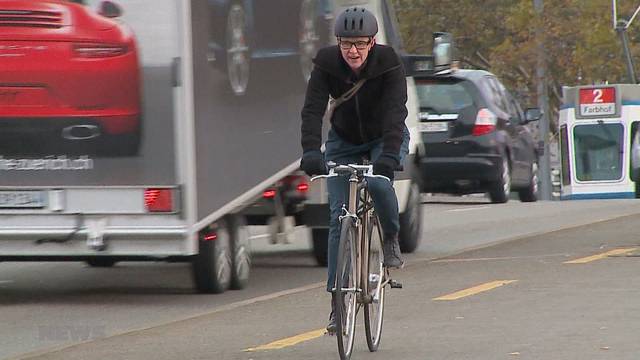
474	290
290	341
587	259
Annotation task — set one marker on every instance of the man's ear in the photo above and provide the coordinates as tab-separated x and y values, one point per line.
373	41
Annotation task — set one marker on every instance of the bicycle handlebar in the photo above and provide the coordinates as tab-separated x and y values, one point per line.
337	170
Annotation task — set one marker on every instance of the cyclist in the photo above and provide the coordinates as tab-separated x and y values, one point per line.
370	123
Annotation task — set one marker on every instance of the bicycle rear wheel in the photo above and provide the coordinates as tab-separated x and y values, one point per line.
374	311
346	283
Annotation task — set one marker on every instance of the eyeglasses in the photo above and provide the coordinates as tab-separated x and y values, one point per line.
360	45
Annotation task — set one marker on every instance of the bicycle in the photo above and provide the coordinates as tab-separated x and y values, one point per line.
362	285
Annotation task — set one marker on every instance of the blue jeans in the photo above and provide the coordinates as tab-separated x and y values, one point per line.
382	192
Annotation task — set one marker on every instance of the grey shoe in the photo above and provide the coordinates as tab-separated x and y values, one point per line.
331	326
391	250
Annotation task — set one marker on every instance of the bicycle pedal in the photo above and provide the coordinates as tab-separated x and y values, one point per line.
395	284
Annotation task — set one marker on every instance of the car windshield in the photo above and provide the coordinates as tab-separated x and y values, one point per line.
444	97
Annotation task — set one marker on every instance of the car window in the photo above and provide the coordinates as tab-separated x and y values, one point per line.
494	91
514	109
444	97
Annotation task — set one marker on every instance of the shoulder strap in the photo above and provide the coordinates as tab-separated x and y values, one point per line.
348	94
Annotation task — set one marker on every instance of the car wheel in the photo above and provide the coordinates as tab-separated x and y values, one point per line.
308	37
530	193
320	238
212	266
241	252
238	55
411	221
500	189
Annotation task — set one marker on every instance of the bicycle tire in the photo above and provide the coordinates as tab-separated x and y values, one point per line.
374	311
346	278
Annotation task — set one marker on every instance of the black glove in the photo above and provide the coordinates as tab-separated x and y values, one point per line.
386	165
313	163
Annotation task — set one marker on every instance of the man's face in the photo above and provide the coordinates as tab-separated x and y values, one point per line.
355	50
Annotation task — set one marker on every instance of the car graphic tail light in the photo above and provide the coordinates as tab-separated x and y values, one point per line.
93	51
158	200
485	122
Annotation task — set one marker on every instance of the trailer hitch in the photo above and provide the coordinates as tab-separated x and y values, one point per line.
95	234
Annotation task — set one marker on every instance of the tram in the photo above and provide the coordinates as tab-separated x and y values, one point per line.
598	124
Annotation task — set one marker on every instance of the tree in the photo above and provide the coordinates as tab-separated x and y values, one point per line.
499	35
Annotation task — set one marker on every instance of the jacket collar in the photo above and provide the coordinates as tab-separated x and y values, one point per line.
378	62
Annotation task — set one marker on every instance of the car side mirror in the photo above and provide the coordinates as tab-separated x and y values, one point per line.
110	9
533	114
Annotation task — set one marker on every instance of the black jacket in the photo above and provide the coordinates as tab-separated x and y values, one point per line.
378	109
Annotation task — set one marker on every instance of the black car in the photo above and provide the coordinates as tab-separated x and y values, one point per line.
475	137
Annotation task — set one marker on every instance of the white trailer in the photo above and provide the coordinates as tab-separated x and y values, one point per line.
138	129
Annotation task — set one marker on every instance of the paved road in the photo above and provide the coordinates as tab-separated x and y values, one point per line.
549	310
52	305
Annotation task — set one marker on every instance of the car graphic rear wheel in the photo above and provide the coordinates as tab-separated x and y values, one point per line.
499	190
238	51
308	38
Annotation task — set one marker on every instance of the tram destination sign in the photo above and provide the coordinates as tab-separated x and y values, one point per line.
598	101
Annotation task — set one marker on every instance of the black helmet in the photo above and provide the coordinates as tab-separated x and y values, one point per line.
356	22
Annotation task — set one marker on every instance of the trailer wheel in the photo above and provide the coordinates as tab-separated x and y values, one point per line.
320	238
241	261
411	221
102	262
212	266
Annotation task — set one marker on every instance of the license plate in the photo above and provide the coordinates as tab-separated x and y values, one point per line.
21	199
434	126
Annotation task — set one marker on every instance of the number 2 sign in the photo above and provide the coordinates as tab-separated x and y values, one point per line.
598	101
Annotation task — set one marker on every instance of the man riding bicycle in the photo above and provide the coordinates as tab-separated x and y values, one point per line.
368	81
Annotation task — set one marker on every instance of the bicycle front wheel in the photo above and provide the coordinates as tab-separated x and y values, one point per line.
374	310
346	284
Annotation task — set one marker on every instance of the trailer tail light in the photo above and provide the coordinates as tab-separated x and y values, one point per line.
269	194
303	187
485	122
158	200
210	236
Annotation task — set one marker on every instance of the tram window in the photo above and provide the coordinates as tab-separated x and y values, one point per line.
598	153
564	154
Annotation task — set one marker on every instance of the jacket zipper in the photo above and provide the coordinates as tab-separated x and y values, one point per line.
360	120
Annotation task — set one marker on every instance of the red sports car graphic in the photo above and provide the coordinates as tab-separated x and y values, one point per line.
69	79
